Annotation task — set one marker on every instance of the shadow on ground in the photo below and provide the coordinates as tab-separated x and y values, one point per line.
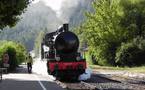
20	69
12	84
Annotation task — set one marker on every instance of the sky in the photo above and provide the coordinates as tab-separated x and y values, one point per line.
54	4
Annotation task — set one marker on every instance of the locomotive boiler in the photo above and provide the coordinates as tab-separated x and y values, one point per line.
60	48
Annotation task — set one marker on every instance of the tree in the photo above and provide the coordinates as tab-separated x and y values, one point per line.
134	17
16	52
112	23
102	30
9	11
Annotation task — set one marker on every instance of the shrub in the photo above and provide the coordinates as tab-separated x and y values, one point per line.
132	53
15	51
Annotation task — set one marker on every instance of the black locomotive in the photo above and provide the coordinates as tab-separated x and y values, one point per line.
60	48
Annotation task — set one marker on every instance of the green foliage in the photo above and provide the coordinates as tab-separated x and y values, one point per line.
20	53
132	53
134	17
16	52
88	58
112	23
101	30
9	11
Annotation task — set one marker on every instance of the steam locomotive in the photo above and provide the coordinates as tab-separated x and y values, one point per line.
60	48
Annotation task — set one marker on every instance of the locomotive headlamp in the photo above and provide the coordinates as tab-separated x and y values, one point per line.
78	58
57	58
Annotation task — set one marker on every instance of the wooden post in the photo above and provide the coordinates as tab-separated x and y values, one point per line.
1	73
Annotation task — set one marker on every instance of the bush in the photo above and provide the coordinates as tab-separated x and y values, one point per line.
104	54
15	51
131	54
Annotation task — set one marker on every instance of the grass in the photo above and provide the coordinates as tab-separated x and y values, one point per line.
140	69
133	69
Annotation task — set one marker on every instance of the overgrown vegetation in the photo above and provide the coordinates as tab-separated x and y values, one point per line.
115	32
16	52
131	53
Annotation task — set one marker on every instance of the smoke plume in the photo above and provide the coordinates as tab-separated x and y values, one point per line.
72	11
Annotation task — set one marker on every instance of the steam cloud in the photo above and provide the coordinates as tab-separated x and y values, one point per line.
86	75
72	11
67	9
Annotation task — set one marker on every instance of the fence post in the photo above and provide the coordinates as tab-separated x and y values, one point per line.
1	73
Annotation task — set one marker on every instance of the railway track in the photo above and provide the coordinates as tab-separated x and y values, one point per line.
92	84
98	82
77	85
135	83
124	83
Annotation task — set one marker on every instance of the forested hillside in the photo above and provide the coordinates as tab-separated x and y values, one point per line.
40	18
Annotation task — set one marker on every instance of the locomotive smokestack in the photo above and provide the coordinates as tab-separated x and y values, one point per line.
66	27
